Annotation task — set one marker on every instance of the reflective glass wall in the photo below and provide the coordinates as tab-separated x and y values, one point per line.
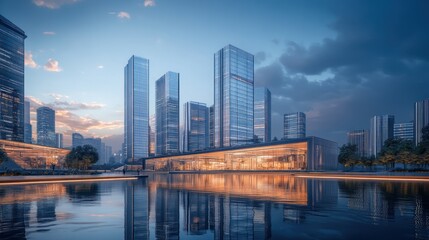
196	129
294	125
262	112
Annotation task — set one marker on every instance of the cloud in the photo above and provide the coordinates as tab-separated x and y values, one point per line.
149	3
53	4
124	15
100	66
52	66
260	57
49	33
29	61
375	67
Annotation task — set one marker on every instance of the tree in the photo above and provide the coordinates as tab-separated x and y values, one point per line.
422	150
3	156
81	157
348	155
389	152
405	153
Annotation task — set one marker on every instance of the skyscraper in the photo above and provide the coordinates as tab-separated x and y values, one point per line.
28	134
167	114
136	116
11	81
404	130
46	126
77	140
196	126
59	140
421	118
381	130
233	97
360	139
211	126
152	133
294	125
262	111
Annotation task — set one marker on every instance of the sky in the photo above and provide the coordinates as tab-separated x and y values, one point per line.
341	62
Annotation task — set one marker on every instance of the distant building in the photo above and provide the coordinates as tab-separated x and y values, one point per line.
152	137
294	125
404	130
421	118
360	139
100	146
59	140
28	134
46	127
11	81
167	114
262	113
136	115
77	140
196	126
233	97
108	153
211	127
381	130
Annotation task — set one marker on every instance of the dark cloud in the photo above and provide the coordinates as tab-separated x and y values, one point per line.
260	57
376	64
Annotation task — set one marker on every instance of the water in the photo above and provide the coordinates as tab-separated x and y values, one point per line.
216	206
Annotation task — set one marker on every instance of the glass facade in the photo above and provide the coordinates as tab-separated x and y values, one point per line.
301	154
404	131
136	115
77	140
11	81
46	126
34	156
381	130
196	126
262	111
294	125
211	126
233	97
152	132
360	139
421	118
28	134
167	114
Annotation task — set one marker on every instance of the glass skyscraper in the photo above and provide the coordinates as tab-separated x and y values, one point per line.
196	126
11	81
294	125
360	139
404	130
136	115
421	118
46	127
167	114
381	130
262	122
233	97
28	134
211	126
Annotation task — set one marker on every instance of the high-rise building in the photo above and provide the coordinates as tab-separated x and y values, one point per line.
196	126
381	130
99	145
59	140
46	126
136	116
152	132
404	130
77	140
262	112
11	81
28	134
294	125
421	118
108	153
167	114
211	126
360	139
233	97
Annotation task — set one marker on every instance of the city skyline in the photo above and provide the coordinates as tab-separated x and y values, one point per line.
305	69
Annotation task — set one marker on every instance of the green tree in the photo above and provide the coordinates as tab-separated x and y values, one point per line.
81	157
389	152
405	153
3	156
422	150
348	155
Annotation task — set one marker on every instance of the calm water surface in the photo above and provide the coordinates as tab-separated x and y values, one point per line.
216	206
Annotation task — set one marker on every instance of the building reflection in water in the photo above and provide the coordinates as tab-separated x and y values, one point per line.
136	211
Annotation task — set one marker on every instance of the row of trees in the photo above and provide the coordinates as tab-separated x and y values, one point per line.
81	157
394	151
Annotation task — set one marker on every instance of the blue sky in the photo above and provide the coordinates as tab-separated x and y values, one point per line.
76	51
